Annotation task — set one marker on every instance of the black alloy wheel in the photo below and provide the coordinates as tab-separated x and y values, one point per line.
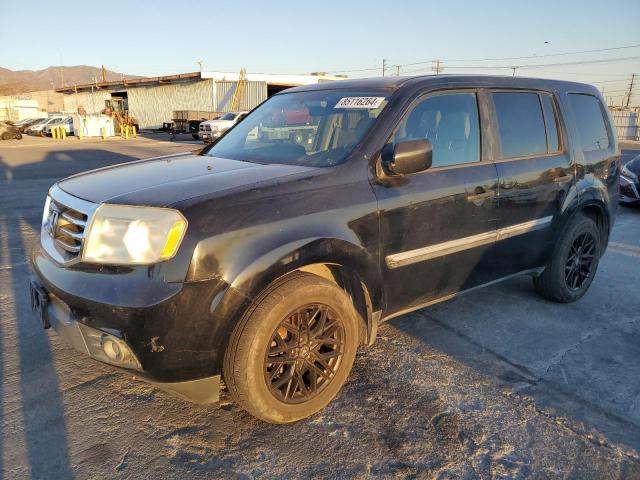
574	261
304	353
580	261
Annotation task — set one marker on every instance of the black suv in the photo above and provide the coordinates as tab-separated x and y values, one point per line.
268	258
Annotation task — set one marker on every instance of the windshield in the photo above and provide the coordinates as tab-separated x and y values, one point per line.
318	129
228	116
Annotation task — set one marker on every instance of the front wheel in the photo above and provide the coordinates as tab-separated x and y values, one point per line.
573	266
293	350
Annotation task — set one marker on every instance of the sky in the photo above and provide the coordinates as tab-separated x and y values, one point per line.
351	37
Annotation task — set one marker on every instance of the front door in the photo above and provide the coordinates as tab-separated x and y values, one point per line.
438	226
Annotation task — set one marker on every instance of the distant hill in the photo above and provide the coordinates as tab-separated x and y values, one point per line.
21	81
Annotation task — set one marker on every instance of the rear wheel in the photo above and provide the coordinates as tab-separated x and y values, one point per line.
574	263
293	351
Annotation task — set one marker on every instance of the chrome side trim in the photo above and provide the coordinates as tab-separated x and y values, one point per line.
427	253
447	248
521	228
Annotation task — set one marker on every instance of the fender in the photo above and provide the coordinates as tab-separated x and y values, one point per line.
593	202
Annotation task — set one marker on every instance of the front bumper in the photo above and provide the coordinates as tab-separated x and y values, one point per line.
165	330
209	136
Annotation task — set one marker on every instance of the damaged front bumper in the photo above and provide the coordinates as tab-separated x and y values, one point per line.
136	321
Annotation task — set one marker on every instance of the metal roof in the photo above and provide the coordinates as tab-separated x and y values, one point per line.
270	79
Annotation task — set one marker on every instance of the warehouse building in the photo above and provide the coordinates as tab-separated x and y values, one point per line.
152	101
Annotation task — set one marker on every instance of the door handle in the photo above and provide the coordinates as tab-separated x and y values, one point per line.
563	179
480	195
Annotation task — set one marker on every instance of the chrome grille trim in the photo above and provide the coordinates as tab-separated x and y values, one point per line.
64	240
74	220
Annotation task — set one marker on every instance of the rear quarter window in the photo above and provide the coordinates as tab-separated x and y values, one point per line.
520	124
589	118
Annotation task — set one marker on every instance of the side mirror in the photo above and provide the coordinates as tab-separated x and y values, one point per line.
409	156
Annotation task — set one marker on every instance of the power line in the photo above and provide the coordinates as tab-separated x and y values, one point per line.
527	56
523	57
533	66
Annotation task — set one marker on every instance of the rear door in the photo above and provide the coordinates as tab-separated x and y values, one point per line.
535	176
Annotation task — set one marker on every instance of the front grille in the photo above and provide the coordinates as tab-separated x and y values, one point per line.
68	232
64	225
206	128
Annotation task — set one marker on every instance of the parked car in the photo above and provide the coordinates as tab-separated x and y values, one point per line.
8	132
32	121
64	122
213	129
630	182
267	262
20	123
38	127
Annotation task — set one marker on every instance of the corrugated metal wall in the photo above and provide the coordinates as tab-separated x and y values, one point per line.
253	94
626	122
153	105
92	102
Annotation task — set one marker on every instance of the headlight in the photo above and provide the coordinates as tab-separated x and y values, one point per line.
126	235
628	173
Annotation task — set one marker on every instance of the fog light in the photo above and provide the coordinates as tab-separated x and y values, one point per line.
111	349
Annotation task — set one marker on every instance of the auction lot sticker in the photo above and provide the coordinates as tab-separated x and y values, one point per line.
360	102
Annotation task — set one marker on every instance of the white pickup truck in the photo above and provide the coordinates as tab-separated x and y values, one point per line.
211	129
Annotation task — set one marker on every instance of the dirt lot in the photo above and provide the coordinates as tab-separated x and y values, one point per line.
495	384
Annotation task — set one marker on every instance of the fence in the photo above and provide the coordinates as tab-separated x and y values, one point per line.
626	123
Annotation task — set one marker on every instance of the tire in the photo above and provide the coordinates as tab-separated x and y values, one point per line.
566	280
253	372
18	136
6	136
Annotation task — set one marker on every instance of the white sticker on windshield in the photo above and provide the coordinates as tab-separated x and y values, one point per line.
360	102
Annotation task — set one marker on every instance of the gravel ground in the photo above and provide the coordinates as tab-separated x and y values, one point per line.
496	384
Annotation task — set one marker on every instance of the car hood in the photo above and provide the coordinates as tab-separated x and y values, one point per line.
167	180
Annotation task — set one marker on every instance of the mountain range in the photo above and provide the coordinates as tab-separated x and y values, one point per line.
20	81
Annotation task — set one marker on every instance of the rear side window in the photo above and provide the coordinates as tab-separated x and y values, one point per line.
520	124
590	122
551	120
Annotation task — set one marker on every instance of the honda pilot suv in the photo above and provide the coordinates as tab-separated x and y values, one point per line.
265	261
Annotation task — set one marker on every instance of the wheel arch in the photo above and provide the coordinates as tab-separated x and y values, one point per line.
345	264
593	206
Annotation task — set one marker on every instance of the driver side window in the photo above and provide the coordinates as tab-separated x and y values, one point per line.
450	123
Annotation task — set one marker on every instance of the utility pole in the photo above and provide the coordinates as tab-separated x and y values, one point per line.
104	74
513	71
199	62
633	77
397	70
438	68
384	65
